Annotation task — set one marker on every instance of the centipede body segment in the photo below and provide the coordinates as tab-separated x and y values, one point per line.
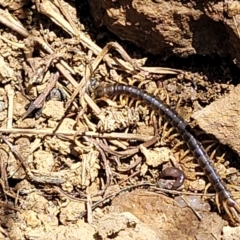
229	204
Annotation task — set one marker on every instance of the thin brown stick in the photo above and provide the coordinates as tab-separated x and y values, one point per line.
30	175
41	98
73	133
106	164
7	20
10	93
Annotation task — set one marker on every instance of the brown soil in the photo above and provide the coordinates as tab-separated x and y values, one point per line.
77	167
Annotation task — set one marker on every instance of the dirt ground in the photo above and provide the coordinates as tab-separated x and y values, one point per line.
77	167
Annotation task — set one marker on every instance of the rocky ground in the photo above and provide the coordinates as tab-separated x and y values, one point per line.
77	167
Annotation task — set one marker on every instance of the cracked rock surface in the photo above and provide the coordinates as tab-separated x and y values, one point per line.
173	27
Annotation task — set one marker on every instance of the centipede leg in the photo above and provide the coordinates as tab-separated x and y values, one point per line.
217	200
232	209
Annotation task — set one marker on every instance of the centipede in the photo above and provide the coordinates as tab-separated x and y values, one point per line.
182	127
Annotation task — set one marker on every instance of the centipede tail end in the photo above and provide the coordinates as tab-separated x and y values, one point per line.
232	209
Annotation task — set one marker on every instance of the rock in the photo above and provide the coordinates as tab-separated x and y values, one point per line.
173	27
222	118
164	216
230	233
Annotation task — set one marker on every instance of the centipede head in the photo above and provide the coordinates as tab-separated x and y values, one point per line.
93	83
